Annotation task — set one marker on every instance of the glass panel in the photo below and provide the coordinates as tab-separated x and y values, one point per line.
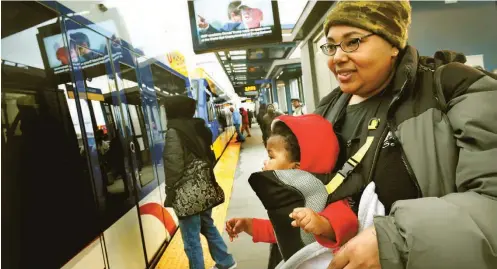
294	88
48	196
105	116
148	112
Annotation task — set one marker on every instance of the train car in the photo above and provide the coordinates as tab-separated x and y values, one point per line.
222	130
83	130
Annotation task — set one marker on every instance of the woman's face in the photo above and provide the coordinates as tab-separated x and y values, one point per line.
365	71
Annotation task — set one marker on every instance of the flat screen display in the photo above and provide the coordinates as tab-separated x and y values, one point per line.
87	48
225	24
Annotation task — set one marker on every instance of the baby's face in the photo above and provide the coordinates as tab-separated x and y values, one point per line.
279	157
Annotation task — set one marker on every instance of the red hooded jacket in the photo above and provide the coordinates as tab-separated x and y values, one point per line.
319	150
244	113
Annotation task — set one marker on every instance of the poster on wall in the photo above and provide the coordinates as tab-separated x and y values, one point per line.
224	24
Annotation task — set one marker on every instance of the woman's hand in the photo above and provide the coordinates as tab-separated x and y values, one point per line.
361	252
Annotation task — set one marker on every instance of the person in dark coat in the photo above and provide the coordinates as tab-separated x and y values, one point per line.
267	120
187	139
250	117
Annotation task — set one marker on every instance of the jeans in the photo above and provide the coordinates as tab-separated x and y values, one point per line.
191	227
239	134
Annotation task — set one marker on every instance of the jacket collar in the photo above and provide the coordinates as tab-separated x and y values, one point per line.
405	74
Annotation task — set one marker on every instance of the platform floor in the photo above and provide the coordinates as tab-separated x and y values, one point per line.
244	203
241	201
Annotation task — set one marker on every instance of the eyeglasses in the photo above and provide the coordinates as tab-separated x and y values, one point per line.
347	45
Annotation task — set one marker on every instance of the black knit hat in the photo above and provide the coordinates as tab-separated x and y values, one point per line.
179	106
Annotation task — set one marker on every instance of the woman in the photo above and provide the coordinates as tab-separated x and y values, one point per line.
245	121
271	114
433	148
191	189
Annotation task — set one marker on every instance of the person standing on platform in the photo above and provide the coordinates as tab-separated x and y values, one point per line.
250	117
298	108
260	114
245	121
237	121
191	187
267	120
425	129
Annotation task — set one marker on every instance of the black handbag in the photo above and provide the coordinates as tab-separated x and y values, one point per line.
198	190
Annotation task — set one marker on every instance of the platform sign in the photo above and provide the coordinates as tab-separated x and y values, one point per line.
250	88
90	94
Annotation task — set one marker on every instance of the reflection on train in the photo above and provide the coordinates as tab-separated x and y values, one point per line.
83	132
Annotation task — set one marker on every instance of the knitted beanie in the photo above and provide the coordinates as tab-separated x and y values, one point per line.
388	19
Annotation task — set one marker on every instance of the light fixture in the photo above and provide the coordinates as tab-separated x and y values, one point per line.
221	53
239	65
238	52
239	57
223	58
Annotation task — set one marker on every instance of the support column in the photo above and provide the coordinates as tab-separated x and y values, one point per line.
274	90
288	97
309	84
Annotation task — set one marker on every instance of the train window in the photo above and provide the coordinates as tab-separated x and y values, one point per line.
163	118
49	196
166	81
210	111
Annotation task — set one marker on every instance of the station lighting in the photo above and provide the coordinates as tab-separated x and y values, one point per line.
239	57
238	52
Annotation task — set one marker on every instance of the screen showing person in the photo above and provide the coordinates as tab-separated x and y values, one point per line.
220	23
86	47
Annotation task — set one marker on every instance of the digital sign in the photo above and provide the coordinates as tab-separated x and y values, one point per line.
225	24
250	88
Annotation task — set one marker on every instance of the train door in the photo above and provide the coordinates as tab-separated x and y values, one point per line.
47	188
141	106
211	115
111	147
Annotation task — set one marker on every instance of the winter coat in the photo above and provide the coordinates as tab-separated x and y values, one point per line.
448	139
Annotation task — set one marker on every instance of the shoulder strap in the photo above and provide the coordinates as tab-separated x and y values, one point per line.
355	160
337	109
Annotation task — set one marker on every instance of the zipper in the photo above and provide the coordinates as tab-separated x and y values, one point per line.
375	156
393	128
408	167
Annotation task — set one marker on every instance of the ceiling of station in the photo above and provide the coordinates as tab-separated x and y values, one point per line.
245	66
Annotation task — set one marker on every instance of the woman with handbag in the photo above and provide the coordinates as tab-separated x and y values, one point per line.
191	188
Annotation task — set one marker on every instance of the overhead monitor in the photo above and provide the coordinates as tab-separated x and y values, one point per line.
86	47
226	24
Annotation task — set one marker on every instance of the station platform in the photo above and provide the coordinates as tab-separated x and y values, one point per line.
232	171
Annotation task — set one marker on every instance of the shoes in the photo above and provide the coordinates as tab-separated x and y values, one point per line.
231	267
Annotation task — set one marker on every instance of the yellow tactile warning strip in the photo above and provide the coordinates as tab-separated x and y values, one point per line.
222	140
174	257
